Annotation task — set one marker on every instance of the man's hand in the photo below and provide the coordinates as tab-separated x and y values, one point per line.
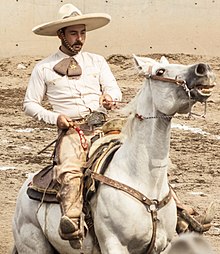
64	122
107	102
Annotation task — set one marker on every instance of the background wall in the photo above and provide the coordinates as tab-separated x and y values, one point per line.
138	26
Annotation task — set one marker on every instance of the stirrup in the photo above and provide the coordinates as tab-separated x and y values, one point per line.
71	229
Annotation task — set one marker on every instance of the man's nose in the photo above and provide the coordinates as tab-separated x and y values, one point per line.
79	37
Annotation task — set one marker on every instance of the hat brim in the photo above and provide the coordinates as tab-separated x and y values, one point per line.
91	21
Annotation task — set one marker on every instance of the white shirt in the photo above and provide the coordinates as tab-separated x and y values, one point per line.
72	97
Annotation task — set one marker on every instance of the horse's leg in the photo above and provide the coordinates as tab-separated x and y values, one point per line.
14	251
108	241
27	232
29	239
111	245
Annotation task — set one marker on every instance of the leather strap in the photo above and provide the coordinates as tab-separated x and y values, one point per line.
180	82
152	205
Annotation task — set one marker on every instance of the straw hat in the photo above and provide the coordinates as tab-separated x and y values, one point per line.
69	15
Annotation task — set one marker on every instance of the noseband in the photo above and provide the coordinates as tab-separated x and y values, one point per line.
161	78
178	82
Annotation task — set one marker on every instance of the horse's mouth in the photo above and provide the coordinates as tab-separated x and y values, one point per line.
204	90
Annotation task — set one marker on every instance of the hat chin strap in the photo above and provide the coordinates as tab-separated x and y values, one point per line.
66	44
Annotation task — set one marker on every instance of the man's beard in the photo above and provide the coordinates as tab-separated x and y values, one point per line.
74	48
77	46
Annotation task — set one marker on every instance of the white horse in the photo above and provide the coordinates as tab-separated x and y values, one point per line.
127	221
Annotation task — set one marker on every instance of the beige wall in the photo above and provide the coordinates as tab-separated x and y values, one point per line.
138	26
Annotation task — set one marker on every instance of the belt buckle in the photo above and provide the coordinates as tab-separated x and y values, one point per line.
79	121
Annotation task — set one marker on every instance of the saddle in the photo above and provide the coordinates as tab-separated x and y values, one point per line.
44	187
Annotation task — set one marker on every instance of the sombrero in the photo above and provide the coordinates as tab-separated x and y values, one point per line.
69	15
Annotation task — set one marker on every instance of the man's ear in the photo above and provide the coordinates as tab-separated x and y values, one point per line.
59	33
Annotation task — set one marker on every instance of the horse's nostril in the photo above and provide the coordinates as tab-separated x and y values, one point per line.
201	69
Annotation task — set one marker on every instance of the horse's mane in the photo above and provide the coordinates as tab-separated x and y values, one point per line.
129	112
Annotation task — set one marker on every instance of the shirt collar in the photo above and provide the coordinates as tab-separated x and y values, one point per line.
61	54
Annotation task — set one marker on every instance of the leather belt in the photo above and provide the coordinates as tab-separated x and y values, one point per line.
85	127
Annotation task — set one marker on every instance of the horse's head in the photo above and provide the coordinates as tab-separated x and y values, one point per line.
176	87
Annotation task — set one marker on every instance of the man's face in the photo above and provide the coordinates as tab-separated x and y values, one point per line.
75	36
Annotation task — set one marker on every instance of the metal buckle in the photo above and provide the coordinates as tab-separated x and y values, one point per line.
153	207
147	75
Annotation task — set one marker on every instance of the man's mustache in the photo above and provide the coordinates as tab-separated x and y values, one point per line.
77	43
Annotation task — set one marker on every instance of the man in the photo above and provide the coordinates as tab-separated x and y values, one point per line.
76	84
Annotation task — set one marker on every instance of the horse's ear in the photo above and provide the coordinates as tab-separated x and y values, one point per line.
143	63
164	60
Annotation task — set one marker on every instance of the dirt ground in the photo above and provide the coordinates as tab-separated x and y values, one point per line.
195	147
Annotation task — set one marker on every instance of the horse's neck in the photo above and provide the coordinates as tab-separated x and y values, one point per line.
152	135
147	149
149	145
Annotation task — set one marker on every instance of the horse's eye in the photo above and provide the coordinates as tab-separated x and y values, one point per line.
160	72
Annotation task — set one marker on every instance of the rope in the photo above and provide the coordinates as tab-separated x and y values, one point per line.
82	137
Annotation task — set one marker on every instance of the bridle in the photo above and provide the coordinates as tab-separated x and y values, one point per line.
158	76
178	82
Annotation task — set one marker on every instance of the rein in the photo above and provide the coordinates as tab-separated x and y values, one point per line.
152	205
141	117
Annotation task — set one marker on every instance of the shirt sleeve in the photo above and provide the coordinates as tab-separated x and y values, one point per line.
108	82
35	93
